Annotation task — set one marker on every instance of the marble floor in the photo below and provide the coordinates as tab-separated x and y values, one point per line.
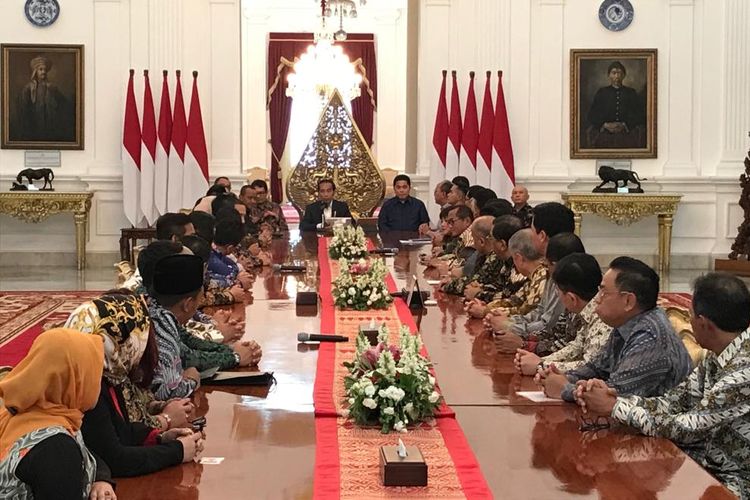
48	278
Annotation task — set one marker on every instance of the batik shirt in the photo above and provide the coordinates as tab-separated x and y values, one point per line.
501	284
486	266
12	487
590	335
708	415
278	223
643	357
527	298
525	213
168	381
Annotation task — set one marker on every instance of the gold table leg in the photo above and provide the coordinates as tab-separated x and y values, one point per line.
81	219
665	241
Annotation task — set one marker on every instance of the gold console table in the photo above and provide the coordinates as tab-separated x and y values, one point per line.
624	209
35	206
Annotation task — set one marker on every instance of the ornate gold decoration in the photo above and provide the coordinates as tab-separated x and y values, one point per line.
625	209
34	206
337	151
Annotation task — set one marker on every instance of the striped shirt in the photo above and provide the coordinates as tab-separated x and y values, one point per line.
708	415
643	357
168	381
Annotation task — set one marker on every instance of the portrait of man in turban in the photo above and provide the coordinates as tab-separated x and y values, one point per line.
42	99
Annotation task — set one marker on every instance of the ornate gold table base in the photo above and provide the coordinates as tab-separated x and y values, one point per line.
624	209
36	206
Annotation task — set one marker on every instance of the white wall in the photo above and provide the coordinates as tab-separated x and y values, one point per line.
703	101
202	35
703	97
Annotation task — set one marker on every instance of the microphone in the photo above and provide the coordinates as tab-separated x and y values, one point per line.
289	268
384	250
315	337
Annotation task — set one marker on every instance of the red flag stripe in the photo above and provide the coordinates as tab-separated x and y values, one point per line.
484	146
196	138
455	126
149	120
179	122
470	132
131	137
165	116
440	134
501	135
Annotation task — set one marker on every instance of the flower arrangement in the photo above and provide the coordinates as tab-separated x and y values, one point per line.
361	290
388	385
348	242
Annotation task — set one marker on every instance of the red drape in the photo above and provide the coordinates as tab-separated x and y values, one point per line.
287	46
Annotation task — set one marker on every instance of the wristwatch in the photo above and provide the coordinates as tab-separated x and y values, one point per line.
237	358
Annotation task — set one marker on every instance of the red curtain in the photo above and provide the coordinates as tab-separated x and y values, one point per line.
287	46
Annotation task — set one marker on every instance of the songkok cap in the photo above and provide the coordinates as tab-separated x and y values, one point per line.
178	275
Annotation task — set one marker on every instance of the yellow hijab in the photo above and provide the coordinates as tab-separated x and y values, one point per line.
53	385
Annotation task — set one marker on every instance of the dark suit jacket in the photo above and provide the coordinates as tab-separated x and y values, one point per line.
314	214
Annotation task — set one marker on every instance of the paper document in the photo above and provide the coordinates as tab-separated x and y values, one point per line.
537	396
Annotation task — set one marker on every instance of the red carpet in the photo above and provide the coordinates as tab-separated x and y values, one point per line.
24	315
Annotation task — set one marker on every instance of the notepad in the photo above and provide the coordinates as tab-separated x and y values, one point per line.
537	397
239	378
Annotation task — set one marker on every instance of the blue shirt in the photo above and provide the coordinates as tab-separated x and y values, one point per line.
222	269
402	215
643	357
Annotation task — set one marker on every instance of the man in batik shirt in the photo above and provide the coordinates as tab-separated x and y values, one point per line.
708	415
481	233
580	334
265	211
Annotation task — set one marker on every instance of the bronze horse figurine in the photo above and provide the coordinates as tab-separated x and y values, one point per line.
35	174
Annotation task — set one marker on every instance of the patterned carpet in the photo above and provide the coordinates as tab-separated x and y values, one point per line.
24	315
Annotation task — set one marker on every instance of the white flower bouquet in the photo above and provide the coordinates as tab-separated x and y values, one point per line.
390	386
348	242
361	286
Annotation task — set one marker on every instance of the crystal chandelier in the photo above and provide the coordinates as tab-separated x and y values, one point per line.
340	9
324	67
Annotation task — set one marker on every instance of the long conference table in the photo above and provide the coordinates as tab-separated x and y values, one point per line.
266	436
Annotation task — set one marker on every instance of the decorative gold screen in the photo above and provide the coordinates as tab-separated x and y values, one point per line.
337	151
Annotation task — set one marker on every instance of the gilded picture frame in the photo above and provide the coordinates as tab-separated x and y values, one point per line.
613	95
42	97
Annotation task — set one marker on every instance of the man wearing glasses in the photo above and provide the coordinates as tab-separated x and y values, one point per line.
708	415
643	355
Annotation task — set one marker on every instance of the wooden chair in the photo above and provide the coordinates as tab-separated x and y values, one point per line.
129	237
389	174
257	173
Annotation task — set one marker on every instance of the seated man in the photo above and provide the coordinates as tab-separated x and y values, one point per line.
643	356
460	245
265	211
175	287
577	278
221	267
457	194
224	182
485	261
403	212
173	226
521	208
707	415
326	207
530	263
503	283
542	322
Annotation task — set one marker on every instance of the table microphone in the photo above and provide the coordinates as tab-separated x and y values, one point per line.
315	337
384	250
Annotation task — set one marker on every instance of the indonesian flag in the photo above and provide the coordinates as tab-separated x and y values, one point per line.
196	156
131	158
503	172
177	154
148	152
484	148
440	138
161	168
454	133
467	164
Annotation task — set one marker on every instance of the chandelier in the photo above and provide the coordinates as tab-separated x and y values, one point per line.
324	67
340	9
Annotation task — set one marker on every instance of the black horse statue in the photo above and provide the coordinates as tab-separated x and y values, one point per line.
35	174
617	175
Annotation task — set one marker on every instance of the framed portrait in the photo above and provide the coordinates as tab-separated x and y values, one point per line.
42	96
613	103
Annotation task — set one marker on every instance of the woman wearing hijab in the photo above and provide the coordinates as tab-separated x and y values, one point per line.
42	453
116	428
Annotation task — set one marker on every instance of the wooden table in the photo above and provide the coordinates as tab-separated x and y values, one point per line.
36	206
626	208
267	437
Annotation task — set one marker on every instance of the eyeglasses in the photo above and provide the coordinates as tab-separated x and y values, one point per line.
603	293
586	424
450	222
